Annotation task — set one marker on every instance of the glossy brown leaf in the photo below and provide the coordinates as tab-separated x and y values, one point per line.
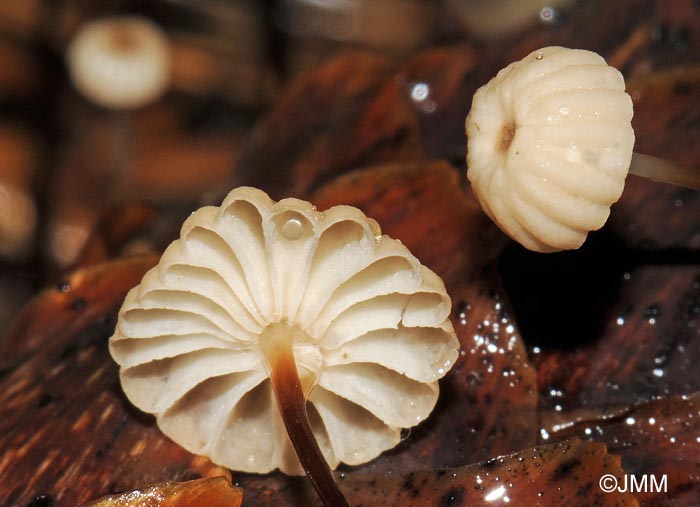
659	438
343	115
440	83
214	492
555	475
66	430
649	346
667	125
73	304
116	230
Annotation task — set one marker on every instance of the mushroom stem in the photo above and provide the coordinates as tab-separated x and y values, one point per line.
663	171
124	135
291	401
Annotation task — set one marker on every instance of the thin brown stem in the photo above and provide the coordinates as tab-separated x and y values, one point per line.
663	171
292	405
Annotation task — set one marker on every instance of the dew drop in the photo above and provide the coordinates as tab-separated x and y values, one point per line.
420	92
41	501
539	56
292	229
78	304
549	16
652	313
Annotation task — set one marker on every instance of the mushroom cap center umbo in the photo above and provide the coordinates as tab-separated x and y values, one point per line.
506	139
126	39
276	338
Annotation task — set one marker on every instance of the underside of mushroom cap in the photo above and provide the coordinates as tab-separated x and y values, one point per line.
550	144
368	324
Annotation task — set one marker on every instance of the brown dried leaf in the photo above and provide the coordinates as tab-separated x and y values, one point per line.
343	115
659	438
566	473
213	492
67	432
649	346
74	304
667	125
440	84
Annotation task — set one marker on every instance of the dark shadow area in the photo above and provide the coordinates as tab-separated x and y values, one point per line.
564	295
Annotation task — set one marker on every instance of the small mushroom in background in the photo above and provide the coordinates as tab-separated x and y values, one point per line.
393	28
550	144
121	62
493	19
262	310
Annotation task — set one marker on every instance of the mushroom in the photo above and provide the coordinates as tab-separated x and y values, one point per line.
262	310
550	144
120	63
493	19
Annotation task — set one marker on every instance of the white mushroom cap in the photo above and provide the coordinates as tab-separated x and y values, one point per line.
493	19
120	62
369	326
549	146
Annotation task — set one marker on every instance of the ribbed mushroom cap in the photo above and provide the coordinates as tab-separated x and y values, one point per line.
369	326
549	146
121	62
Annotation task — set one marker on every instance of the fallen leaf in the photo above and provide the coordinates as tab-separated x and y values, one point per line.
567	473
214	492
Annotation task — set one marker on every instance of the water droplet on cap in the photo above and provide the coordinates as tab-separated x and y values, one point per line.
292	229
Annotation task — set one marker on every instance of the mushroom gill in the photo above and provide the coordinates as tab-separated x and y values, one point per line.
265	310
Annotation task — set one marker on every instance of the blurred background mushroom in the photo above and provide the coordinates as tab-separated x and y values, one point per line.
315	29
120	62
492	19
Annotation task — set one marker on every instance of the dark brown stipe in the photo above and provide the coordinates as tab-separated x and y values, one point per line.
292	405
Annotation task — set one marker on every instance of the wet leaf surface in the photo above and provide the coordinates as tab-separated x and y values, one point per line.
348	113
66	430
649	346
657	439
667	125
440	84
566	473
73	304
214	492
